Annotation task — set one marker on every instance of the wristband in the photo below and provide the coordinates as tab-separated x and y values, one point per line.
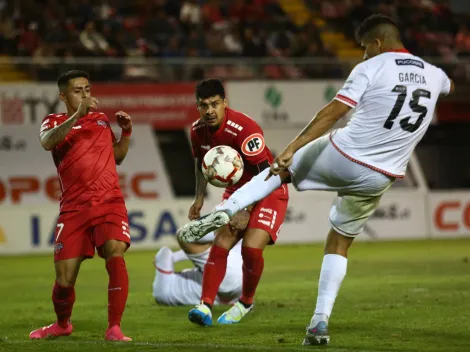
126	133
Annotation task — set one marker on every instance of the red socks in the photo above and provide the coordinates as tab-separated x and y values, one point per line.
253	265
118	289
216	266
63	299
214	273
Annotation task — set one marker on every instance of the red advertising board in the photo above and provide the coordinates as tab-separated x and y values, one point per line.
449	213
165	106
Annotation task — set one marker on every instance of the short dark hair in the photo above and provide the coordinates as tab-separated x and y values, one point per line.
371	23
210	87
64	78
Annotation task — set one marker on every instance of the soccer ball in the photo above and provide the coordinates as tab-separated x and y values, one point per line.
222	166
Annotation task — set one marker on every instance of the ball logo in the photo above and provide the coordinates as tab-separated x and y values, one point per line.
253	145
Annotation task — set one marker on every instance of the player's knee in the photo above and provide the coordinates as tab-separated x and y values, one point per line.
66	271
66	279
256	238
114	248
338	243
285	177
225	238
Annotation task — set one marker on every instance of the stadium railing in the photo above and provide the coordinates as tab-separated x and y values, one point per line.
189	69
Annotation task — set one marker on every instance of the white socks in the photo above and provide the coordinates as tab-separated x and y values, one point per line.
333	271
179	256
251	192
208	238
164	259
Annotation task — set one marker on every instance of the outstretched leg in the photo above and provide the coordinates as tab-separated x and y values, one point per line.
252	192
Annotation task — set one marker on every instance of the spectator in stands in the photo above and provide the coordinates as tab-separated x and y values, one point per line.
173	48
212	14
462	41
190	14
29	40
93	42
232	41
216	28
8	32
254	45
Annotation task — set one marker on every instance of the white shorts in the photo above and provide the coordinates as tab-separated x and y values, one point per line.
320	166
185	287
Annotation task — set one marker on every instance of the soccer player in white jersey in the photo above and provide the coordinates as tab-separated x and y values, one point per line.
185	287
394	94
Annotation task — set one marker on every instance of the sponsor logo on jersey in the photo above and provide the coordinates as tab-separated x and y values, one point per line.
253	145
231	132
409	62
76	127
101	123
267	223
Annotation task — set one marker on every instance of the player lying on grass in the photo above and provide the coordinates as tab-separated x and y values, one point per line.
257	227
185	287
394	94
92	210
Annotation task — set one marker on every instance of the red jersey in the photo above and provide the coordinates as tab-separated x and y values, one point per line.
85	162
238	131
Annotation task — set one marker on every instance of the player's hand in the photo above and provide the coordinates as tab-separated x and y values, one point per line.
124	120
281	163
195	209
240	220
86	104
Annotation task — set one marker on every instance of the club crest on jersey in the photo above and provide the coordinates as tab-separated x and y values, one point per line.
253	145
57	247
101	123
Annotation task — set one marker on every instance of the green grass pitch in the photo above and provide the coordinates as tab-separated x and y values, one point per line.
397	296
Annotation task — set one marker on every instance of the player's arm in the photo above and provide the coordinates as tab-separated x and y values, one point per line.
352	91
201	183
320	124
121	147
50	137
452	87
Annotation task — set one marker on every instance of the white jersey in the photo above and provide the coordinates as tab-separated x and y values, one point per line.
395	94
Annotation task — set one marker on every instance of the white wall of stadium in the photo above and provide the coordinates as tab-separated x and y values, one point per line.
29	193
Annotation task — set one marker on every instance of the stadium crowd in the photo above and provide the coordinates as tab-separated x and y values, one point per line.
213	29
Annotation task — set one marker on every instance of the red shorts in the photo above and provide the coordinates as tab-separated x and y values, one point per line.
269	213
78	233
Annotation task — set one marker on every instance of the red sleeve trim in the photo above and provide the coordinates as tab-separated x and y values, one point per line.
346	100
164	271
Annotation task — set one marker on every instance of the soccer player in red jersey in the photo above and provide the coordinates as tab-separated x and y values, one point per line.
92	209
258	225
